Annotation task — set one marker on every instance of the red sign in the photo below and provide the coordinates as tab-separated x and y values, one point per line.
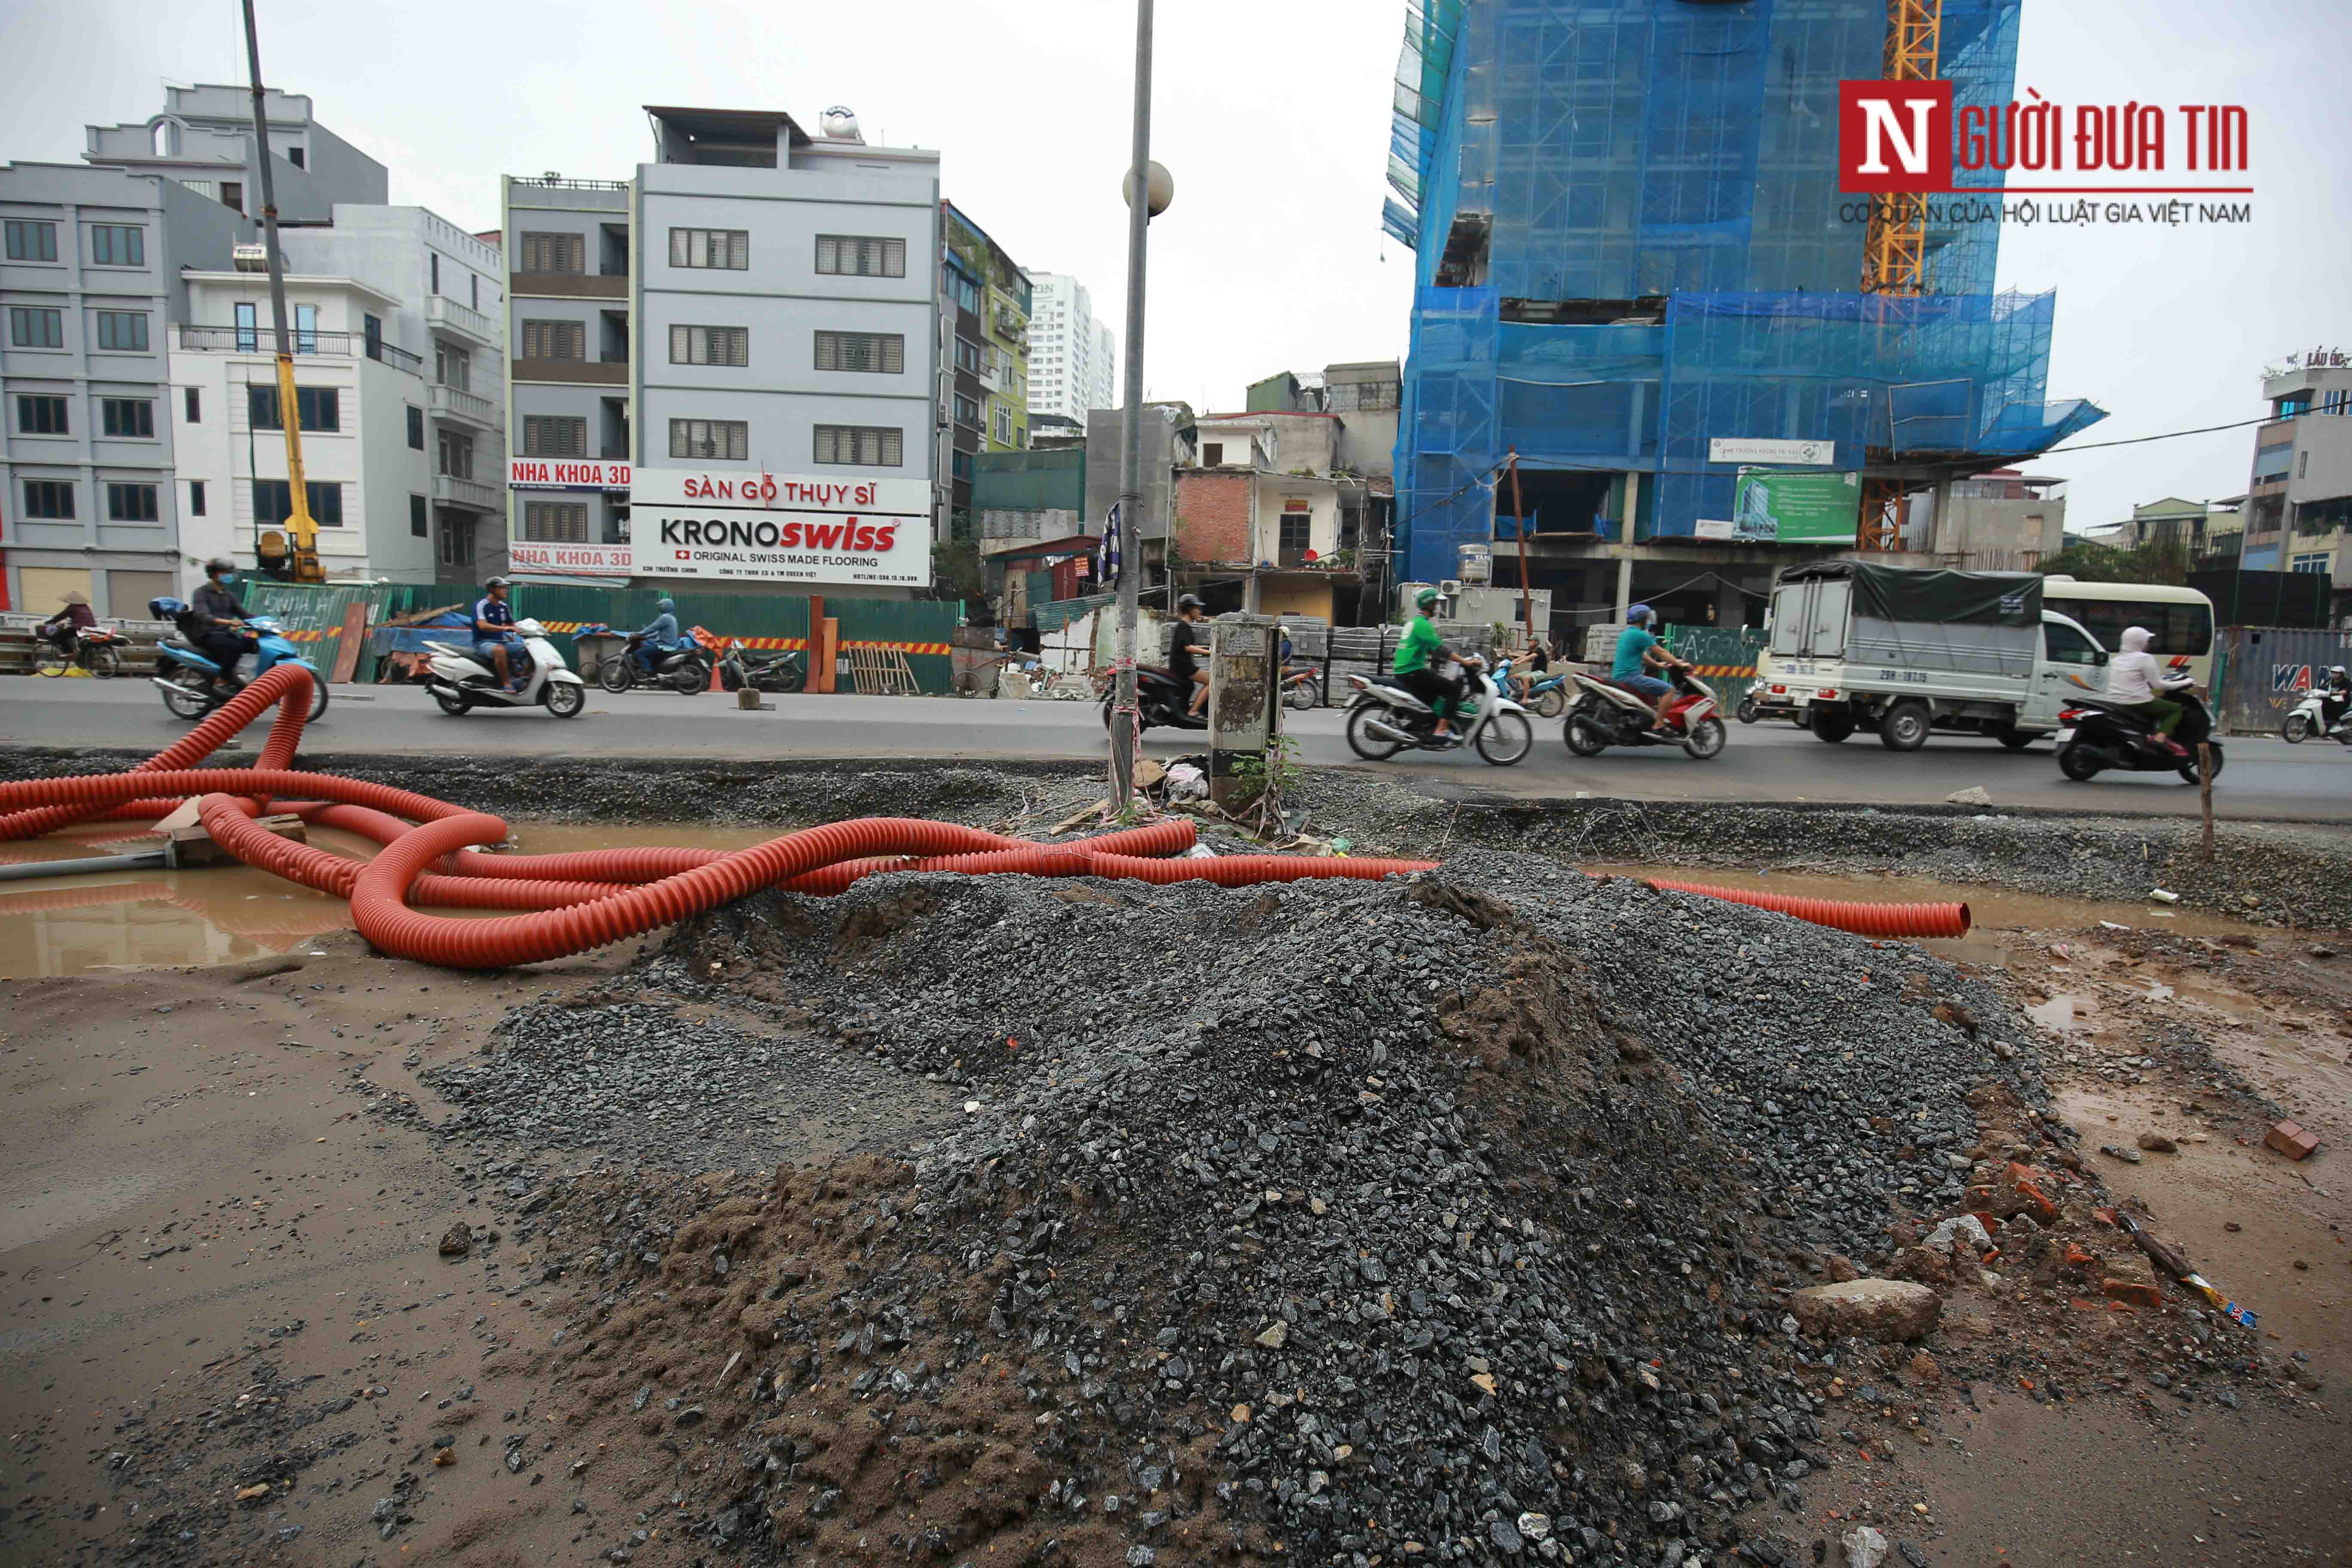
572	560
1895	136
565	474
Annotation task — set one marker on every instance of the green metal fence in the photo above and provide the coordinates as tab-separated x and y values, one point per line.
314	616
1725	656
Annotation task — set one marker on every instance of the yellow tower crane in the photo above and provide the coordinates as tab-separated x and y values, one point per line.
300	553
1895	246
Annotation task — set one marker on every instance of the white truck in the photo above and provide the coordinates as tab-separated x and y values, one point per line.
1906	652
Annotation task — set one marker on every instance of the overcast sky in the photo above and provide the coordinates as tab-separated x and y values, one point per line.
1273	119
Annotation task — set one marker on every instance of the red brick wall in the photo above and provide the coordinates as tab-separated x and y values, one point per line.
1213	513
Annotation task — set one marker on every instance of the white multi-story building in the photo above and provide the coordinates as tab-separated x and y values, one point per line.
754	300
361	406
1072	368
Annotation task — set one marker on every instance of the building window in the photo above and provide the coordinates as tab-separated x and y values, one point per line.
294	156
710	345
1297	530
118	245
418	524
730	440
131	503
124	331
457	541
32	327
248	329
48	497
371	334
555	339
195	498
233	195
196	405
1004	425
455	367
2315	564
433	266
315	407
1213	454
473	290
2303	465
456	454
415	428
727	247
555	521
967	355
864	446
41	417
273	502
861	255
551	436
878	353
131	417
30	240
961	464
966	412
554	253
306	329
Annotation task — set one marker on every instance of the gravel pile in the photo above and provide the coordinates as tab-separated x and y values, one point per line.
1431	1222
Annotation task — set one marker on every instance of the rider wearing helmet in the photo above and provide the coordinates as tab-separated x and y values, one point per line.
2334	699
660	634
493	627
2134	683
1420	655
1182	640
215	620
1639	652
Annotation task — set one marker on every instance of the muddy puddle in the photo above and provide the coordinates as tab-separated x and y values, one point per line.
105	922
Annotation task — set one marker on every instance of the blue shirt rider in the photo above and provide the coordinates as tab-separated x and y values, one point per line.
494	628
1639	652
658	638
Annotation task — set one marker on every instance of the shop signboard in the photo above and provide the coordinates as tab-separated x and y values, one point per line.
565	474
1773	507
741	526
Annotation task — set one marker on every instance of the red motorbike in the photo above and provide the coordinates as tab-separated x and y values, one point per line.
1604	714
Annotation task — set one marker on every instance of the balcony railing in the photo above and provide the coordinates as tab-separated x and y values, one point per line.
460	405
463	320
572	285
331	345
451	490
572	372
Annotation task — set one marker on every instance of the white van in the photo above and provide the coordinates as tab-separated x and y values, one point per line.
1906	652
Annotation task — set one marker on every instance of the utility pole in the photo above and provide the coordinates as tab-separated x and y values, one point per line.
1519	530
1125	723
305	544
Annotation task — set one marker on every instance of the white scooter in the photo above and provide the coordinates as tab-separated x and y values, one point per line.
1384	720
461	683
2309	718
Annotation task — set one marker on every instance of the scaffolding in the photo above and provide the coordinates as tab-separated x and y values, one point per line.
1630	243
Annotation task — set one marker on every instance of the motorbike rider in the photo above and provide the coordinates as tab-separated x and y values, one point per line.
61	629
494	627
1420	655
216	621
660	636
2132	676
1639	652
1186	637
2334	698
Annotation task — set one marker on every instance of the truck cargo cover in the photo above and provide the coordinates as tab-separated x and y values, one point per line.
1907	595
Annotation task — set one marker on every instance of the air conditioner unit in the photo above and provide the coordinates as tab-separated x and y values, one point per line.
1450	587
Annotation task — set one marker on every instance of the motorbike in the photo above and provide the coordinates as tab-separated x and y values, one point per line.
2094	736
1385	719
187	675
1299	684
2310	718
685	670
461	683
1605	714
98	650
1545	694
785	673
1160	699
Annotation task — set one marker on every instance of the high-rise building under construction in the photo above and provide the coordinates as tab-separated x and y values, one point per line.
1636	268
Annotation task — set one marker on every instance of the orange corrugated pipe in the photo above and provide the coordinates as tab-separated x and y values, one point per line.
572	902
1928	920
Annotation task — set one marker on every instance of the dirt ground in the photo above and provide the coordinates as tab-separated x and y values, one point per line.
218	1216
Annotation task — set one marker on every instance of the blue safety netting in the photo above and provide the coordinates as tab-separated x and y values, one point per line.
1681	160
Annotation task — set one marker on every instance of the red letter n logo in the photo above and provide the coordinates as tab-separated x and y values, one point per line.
1895	136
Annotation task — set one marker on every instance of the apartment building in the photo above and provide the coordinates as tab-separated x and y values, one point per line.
2298	504
754	301
396	326
1071	354
203	140
92	276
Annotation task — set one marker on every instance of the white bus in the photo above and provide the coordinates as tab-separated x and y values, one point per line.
2181	619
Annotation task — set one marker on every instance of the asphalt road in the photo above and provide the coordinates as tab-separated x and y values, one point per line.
2266	779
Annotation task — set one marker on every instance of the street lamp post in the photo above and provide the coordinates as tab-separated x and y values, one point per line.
1148	194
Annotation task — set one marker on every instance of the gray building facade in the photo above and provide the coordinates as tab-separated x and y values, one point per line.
89	287
203	140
